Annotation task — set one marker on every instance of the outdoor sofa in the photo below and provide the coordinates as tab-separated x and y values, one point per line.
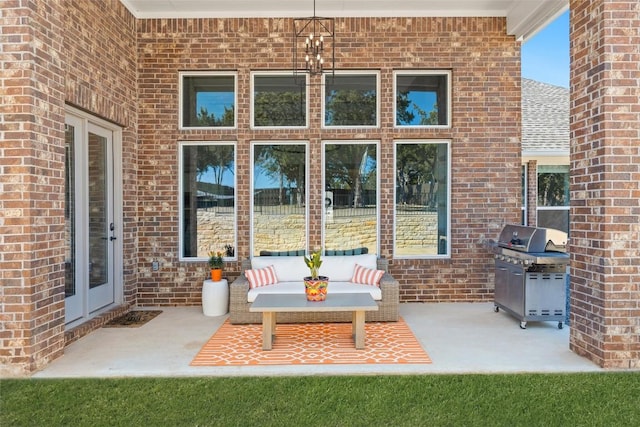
290	271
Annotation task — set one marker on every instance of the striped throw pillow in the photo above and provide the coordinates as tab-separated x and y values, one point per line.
261	277
366	276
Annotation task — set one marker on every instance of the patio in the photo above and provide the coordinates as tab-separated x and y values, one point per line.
459	338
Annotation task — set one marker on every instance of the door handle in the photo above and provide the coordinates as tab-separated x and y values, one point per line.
112	238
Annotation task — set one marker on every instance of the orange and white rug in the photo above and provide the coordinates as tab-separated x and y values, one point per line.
312	344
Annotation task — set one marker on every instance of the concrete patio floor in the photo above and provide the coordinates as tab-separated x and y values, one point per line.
459	338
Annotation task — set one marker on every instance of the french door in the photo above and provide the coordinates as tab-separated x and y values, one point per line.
90	227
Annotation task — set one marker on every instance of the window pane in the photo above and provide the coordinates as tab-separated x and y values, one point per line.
208	101
208	199
279	198
422	180
350	100
421	100
553	185
278	101
351	219
554	218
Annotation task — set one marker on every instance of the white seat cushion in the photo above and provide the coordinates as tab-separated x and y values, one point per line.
287	268
341	268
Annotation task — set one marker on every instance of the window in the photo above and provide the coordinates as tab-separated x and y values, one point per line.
422	98
351	100
351	196
422	199
207	199
278	101
553	197
207	100
279	218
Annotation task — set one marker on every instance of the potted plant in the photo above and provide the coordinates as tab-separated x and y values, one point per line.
216	263
315	286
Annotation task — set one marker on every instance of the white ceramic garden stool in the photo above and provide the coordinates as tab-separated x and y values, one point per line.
215	297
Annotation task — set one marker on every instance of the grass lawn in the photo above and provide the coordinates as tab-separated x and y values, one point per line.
589	399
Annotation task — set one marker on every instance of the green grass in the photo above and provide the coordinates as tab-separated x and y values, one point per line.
585	399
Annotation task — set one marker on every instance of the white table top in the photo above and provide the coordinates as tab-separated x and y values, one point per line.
294	302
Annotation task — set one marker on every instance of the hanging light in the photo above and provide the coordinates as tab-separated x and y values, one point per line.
313	45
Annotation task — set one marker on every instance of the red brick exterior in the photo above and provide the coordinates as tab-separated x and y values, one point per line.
54	52
605	182
485	65
532	193
95	56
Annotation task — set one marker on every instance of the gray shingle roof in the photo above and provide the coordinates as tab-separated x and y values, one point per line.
545	117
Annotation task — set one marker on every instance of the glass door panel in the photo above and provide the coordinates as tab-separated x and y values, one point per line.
100	220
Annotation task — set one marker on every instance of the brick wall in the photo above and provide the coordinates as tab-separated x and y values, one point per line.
53	51
31	186
605	182
532	193
485	65
101	77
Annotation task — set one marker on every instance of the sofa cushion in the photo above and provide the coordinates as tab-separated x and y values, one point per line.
367	276
287	268
261	277
297	287
341	268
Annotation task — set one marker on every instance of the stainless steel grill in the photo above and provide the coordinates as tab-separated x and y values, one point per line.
530	273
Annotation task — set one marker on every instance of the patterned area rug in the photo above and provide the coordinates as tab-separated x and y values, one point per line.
312	344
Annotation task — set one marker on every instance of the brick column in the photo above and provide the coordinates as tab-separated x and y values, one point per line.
31	186
532	193
605	182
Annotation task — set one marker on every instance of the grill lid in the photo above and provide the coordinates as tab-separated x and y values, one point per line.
532	239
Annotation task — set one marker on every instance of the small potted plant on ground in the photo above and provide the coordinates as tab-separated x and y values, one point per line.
315	286
215	263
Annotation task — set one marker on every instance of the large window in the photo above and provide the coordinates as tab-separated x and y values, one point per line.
422	199
351	100
351	196
207	199
278	101
422	98
279	218
207	100
553	197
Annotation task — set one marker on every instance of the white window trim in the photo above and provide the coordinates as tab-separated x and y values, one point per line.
255	74
183	74
182	144
357	73
446	255
324	178
446	73
251	187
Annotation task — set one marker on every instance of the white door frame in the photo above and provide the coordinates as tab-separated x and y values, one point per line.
78	308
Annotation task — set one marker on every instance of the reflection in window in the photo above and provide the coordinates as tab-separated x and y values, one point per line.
422	99
208	213
422	211
351	100
279	198
278	101
351	196
208	100
553	197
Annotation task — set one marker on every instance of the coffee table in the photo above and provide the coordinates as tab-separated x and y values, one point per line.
270	304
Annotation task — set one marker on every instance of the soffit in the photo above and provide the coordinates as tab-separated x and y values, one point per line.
524	17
